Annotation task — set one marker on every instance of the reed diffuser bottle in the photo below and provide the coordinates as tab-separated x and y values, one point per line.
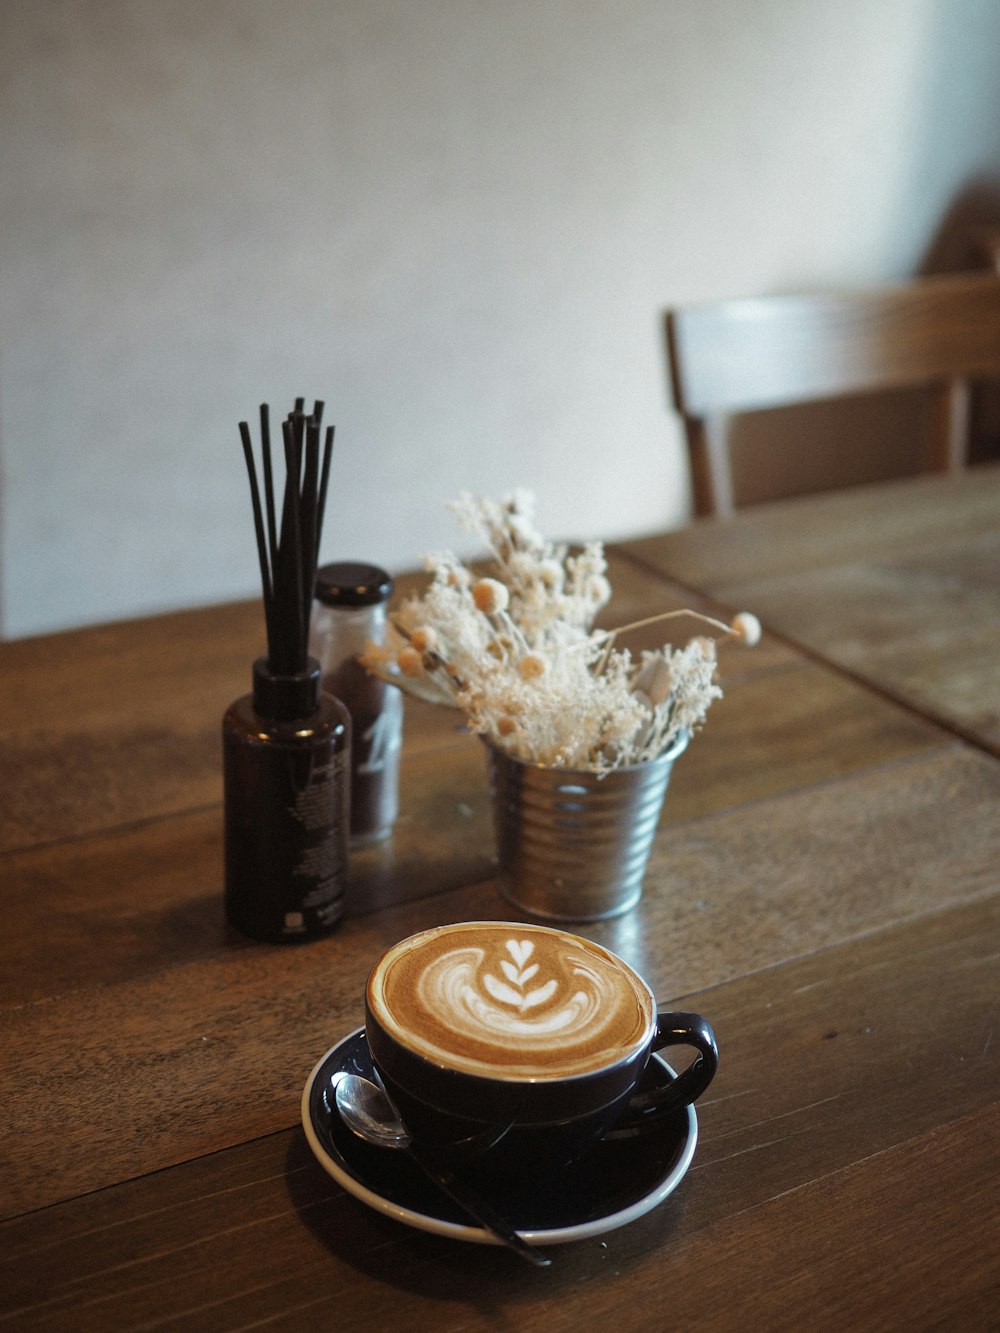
286	745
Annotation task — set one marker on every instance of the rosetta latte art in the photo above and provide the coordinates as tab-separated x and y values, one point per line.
511	1000
522	1005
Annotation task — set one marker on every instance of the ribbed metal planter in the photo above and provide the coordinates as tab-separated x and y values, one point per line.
571	845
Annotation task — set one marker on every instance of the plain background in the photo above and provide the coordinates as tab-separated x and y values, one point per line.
457	221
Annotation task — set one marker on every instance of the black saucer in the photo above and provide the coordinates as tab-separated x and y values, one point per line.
620	1179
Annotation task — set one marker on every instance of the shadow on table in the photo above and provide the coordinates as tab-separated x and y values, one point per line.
486	1278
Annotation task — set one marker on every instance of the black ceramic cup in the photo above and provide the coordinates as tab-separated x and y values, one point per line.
523	1039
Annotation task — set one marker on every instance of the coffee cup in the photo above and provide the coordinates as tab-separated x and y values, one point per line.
493	1035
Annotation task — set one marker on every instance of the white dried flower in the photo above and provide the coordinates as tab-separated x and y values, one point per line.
411	662
518	654
746	628
550	575
532	666
654	679
425	639
490	596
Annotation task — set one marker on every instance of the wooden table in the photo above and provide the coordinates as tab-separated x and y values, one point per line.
825	887
896	585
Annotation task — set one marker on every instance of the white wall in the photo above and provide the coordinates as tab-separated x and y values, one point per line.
458	221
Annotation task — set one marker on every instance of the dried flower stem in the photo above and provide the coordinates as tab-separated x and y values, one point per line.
612	635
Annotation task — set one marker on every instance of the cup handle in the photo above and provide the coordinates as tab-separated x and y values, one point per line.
676	1030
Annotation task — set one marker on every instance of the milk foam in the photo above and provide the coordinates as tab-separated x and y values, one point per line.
510	1000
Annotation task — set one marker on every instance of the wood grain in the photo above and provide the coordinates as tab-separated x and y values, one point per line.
824	886
907	517
151	892
198	1054
120	723
834	1120
924	627
907	600
117	724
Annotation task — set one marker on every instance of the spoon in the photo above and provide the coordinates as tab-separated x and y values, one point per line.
367	1111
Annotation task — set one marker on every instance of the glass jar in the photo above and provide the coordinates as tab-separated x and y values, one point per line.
349	612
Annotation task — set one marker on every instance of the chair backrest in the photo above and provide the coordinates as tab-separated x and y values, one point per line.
743	355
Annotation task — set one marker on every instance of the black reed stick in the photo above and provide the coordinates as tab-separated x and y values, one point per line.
292	537
308	517
265	443
288	556
265	575
324	479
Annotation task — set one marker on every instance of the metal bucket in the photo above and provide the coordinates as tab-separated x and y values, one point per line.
573	845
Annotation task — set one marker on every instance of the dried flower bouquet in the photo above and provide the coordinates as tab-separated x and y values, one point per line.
519	655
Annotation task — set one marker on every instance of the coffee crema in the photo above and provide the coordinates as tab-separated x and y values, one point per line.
509	1001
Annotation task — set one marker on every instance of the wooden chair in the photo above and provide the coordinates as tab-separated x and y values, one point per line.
985	247
743	355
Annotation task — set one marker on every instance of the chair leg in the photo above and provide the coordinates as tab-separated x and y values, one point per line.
951	442
708	440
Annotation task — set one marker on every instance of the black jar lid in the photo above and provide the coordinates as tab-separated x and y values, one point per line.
348	583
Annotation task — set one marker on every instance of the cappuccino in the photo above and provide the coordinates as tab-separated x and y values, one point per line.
512	1002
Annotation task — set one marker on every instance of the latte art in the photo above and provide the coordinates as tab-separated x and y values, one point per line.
511	1001
460	984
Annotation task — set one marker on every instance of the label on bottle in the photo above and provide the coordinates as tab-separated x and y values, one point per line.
286	800
319	808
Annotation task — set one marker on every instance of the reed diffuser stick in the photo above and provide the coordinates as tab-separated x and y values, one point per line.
265	444
288	558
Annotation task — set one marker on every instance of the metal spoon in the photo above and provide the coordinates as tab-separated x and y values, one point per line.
367	1111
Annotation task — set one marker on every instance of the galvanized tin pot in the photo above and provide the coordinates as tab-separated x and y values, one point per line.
573	845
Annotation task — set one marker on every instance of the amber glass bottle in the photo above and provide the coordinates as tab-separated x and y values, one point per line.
286	750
